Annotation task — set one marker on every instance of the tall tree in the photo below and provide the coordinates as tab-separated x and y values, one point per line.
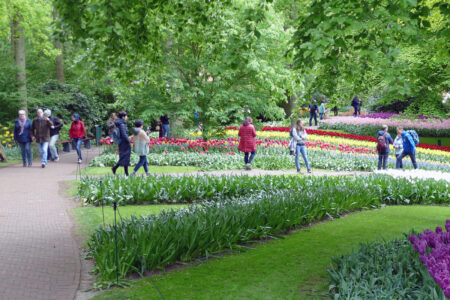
18	44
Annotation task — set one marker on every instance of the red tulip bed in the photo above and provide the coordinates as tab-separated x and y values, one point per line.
343	135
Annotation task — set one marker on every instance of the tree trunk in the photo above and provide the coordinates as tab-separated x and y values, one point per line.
59	63
13	43
289	106
19	55
59	58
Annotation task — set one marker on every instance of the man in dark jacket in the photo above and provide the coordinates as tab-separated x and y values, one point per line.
54	134
124	143
383	152
355	104
40	131
313	108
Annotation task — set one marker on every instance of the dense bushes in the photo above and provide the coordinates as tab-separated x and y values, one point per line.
382	270
187	189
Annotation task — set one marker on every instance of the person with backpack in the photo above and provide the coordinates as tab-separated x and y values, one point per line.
247	143
313	112
355	104
383	141
398	146
141	147
299	136
22	136
54	134
124	143
77	133
410	141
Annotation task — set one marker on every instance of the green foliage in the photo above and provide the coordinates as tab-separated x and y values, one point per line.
209	227
382	270
188	189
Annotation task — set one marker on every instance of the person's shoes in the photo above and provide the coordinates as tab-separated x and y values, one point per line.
113	170
299	172
56	159
24	166
43	165
309	172
248	167
80	161
133	173
147	174
29	166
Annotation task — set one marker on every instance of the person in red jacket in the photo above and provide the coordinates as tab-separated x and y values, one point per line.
77	132
247	144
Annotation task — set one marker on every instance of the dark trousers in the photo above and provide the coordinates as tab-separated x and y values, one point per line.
382	160
25	148
249	160
356	111
142	163
412	155
398	163
311	116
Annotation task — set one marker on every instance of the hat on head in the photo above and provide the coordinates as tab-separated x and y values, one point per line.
47	112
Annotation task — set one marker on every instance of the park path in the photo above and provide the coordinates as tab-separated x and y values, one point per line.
39	258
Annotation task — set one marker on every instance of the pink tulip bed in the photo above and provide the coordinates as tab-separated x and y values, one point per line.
369	126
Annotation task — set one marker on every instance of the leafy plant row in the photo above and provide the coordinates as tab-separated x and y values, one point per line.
382	270
188	189
274	161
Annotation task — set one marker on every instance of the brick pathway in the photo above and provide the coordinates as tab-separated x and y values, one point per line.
39	259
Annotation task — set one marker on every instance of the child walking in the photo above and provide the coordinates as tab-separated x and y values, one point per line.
141	147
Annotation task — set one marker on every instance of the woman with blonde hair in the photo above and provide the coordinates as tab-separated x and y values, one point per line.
299	136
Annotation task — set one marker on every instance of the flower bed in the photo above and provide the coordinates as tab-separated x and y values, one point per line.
434	250
209	227
369	126
382	270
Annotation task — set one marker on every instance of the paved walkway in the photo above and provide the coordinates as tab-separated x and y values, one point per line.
39	259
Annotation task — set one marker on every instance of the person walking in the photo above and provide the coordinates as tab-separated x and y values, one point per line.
124	143
77	133
398	146
22	136
383	141
355	104
40	132
359	106
165	126
54	134
299	136
313	112
322	108
141	147
409	148
110	124
247	143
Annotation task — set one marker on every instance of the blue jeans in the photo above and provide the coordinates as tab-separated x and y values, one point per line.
142	162
77	145
43	149
25	148
412	155
311	116
52	146
382	160
321	116
166	130
398	163
249	160
302	150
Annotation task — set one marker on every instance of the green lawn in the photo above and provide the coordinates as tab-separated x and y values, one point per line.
290	268
152	169
10	162
90	217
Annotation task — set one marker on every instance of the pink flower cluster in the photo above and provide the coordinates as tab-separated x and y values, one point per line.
434	250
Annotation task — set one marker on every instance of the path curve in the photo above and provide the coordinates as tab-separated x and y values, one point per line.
39	258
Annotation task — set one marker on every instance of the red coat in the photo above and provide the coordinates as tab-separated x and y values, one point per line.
247	142
77	131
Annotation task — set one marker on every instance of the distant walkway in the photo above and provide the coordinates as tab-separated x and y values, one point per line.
39	259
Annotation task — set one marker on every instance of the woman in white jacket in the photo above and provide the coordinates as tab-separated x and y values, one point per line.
299	136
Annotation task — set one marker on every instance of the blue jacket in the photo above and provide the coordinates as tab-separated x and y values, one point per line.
408	143
25	137
388	138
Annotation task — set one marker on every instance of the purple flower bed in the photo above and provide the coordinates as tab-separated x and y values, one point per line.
434	250
379	115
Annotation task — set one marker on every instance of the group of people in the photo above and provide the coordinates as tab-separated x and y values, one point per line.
314	108
44	129
404	145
